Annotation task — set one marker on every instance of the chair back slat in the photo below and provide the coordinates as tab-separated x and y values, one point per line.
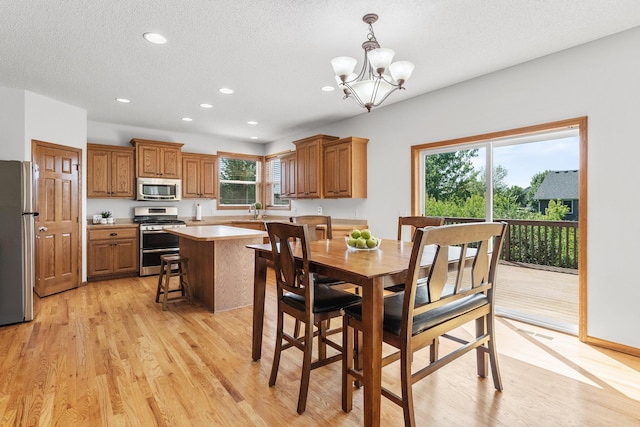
445	282
291	275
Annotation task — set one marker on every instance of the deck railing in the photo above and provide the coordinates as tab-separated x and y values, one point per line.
546	244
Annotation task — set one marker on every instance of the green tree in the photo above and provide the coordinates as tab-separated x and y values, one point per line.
237	181
450	176
556	211
536	181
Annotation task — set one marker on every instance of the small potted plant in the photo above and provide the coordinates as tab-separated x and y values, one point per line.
256	210
106	217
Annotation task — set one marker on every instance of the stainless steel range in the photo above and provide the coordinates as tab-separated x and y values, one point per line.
154	241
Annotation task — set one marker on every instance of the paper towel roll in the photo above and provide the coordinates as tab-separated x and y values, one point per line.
198	212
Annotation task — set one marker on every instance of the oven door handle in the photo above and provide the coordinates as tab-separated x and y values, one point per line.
153	251
153	231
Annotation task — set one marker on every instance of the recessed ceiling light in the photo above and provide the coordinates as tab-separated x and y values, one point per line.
226	91
254	137
187	119
154	38
206	105
252	122
328	88
123	100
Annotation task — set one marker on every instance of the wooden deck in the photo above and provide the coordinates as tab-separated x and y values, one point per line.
545	298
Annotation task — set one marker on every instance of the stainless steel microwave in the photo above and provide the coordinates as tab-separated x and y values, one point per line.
158	189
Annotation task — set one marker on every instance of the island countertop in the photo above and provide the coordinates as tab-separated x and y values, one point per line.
210	233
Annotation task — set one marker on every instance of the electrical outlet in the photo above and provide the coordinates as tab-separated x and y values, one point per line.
319	210
355	214
96	219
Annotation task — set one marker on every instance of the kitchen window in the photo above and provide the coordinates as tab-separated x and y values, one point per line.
239	180
273	189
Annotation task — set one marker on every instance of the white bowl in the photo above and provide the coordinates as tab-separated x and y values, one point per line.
346	240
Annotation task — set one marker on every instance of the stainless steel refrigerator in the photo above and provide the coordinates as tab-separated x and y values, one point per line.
17	272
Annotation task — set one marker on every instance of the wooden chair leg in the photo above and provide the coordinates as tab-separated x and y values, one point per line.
481	354
277	349
406	386
493	355
322	337
347	363
186	285
160	277
306	368
433	350
167	282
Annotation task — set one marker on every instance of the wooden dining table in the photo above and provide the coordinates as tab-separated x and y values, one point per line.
372	270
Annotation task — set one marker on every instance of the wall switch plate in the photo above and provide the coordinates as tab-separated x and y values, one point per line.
319	210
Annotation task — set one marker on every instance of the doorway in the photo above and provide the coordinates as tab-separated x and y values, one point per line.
467	180
57	228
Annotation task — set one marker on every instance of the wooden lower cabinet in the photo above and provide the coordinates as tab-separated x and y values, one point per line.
112	252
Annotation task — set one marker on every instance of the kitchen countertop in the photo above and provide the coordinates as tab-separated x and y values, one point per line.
208	233
223	220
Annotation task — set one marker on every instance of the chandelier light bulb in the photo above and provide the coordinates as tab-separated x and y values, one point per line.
380	59
343	66
401	71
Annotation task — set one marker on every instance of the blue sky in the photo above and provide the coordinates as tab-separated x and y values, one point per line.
525	160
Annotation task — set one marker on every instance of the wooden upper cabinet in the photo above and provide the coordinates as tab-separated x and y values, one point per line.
110	171
288	175
345	168
158	159
309	165
199	176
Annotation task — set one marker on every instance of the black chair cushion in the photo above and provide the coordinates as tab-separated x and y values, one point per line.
393	311
326	299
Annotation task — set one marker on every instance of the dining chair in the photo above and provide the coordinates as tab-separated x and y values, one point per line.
432	307
310	304
313	221
418	222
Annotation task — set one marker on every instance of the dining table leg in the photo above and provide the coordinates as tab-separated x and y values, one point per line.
259	289
372	315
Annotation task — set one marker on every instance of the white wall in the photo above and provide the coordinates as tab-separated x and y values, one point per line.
25	116
12	125
599	80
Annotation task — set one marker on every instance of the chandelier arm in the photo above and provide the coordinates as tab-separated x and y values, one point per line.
386	96
396	85
353	95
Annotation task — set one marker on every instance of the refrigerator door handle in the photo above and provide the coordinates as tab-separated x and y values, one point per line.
31	213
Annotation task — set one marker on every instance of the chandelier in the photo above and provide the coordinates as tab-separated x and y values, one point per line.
372	85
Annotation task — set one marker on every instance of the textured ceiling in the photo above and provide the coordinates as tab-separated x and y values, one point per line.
274	53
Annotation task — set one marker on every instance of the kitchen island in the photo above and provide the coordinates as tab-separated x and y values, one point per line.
220	266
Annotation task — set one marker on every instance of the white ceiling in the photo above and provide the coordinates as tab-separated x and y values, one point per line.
274	53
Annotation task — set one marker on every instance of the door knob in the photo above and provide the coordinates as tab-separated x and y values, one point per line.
43	228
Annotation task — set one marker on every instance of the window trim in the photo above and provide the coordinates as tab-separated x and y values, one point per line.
259	178
267	187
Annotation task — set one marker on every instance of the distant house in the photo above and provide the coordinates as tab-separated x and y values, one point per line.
559	185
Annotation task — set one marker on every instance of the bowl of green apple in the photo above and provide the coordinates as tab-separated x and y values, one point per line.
362	240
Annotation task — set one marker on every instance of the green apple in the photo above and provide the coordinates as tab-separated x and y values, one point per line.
351	242
355	234
366	233
361	243
372	242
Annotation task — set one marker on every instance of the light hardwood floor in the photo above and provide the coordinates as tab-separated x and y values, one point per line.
107	355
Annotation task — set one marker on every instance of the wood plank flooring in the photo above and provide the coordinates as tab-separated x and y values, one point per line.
107	355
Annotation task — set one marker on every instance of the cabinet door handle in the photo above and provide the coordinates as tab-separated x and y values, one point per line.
113	234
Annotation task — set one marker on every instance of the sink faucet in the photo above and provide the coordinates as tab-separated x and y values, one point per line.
255	211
